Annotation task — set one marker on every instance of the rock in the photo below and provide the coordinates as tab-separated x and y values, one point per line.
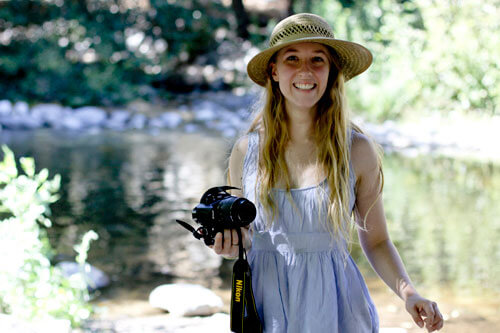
94	277
21	108
206	110
138	121
117	120
49	114
185	299
5	107
69	122
171	119
191	128
90	116
15	121
155	122
11	324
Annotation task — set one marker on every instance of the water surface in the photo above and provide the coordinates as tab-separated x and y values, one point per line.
442	213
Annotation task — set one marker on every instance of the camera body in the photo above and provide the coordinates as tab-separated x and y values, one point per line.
218	210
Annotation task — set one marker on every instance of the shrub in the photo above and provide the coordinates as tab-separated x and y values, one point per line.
30	287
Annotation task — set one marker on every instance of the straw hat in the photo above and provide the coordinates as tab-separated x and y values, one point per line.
299	28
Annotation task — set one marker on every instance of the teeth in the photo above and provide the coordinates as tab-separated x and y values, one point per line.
304	86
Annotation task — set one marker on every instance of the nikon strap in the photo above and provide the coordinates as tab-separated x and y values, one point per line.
244	316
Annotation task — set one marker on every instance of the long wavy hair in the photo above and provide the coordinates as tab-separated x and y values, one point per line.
332	136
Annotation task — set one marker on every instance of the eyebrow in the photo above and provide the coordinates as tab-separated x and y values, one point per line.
295	50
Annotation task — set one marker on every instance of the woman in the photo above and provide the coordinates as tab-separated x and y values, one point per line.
309	169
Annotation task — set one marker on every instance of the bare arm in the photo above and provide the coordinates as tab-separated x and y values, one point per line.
227	244
375	240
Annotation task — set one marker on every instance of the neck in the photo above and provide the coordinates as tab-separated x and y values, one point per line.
300	124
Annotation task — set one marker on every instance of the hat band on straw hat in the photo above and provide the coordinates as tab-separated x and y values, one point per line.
301	28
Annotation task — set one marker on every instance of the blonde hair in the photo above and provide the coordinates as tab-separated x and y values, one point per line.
332	137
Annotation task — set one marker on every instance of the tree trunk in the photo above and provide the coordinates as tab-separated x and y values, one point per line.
241	18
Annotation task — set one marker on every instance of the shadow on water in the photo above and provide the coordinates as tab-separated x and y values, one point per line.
443	214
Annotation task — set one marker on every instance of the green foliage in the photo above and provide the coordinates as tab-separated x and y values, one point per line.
96	51
428	55
29	286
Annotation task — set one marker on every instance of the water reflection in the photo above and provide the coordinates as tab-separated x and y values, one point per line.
443	214
444	217
130	188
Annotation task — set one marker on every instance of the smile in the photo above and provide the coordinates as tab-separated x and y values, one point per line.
304	86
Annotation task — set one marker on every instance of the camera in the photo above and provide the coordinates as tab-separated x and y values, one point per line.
218	210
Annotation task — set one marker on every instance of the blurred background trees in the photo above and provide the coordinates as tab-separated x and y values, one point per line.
430	56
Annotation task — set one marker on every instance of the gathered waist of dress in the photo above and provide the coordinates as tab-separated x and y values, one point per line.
295	242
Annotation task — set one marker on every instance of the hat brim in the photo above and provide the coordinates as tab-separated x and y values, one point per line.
354	58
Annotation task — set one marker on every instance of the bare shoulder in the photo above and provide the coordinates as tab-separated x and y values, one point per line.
236	161
364	155
240	147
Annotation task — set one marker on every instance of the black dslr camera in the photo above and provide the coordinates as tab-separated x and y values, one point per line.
218	210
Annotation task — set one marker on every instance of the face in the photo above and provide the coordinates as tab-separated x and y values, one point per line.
301	71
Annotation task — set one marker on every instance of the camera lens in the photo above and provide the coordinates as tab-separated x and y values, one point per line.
234	212
243	211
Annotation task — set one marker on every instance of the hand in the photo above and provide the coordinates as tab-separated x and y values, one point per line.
424	311
227	246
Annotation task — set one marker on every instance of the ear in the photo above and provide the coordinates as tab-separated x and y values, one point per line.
274	72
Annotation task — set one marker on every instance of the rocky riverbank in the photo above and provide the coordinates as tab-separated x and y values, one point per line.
228	113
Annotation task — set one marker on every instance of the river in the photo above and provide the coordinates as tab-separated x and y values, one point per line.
129	187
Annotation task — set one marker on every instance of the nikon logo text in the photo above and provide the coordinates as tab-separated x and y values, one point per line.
239	287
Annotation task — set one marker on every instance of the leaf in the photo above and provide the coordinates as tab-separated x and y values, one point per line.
8	168
28	165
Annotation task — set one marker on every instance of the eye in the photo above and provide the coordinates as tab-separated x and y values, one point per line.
318	59
292	58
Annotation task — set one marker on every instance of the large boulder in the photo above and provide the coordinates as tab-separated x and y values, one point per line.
185	299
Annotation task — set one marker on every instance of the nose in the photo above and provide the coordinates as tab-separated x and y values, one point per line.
305	69
305	66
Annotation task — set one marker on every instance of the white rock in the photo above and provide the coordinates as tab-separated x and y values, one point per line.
185	299
118	119
206	110
5	107
138	121
70	123
171	119
52	114
191	128
90	116
94	277
21	108
15	121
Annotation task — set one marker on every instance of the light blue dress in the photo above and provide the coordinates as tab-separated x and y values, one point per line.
303	281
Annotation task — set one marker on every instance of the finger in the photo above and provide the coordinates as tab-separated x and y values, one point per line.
431	314
438	318
416	317
234	237
218	243
227	240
